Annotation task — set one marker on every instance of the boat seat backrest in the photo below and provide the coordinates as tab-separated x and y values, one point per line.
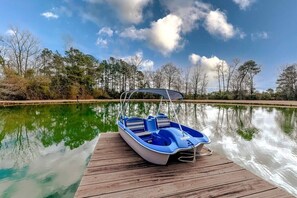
162	121
135	124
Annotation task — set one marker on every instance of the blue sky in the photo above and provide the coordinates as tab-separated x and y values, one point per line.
184	32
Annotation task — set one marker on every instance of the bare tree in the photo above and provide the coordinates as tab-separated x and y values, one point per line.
230	72
2	61
157	79
3	53
204	83
178	82
223	73
234	82
222	70
218	68
135	61
171	74
196	78
22	48
148	78
199	80
186	76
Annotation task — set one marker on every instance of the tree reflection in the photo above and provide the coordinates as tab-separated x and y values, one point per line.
287	120
193	115
245	127
25	130
237	119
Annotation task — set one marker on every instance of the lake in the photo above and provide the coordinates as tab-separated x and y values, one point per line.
45	149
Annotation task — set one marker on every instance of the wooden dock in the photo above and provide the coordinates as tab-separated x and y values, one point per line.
115	170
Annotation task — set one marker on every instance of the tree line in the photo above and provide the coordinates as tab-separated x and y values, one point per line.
29	72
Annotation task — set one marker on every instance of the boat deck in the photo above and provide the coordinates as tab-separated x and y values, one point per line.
115	170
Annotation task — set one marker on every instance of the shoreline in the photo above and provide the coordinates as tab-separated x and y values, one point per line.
275	103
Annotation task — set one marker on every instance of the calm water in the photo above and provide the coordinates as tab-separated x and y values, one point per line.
45	149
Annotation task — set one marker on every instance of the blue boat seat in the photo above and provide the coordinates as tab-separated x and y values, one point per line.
136	125
162	121
150	124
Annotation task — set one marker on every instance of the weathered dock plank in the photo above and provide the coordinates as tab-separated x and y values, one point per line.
115	170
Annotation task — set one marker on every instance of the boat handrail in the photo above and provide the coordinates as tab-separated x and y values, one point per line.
122	102
159	105
175	115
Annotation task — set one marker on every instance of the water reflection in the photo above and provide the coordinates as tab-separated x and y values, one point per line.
237	119
44	149
262	140
287	120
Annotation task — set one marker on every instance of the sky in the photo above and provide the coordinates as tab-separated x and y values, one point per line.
182	32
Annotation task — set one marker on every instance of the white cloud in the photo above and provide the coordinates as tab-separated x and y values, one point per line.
166	34
193	11
217	25
134	34
106	31
138	59
163	35
259	35
139	54
147	65
208	65
244	4
104	38
194	59
50	15
10	32
101	42
130	11
189	11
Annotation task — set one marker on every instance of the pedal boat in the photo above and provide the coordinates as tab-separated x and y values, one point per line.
156	138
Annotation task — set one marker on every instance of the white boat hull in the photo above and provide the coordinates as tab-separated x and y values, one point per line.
148	155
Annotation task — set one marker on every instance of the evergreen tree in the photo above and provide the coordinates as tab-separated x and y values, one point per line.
287	82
